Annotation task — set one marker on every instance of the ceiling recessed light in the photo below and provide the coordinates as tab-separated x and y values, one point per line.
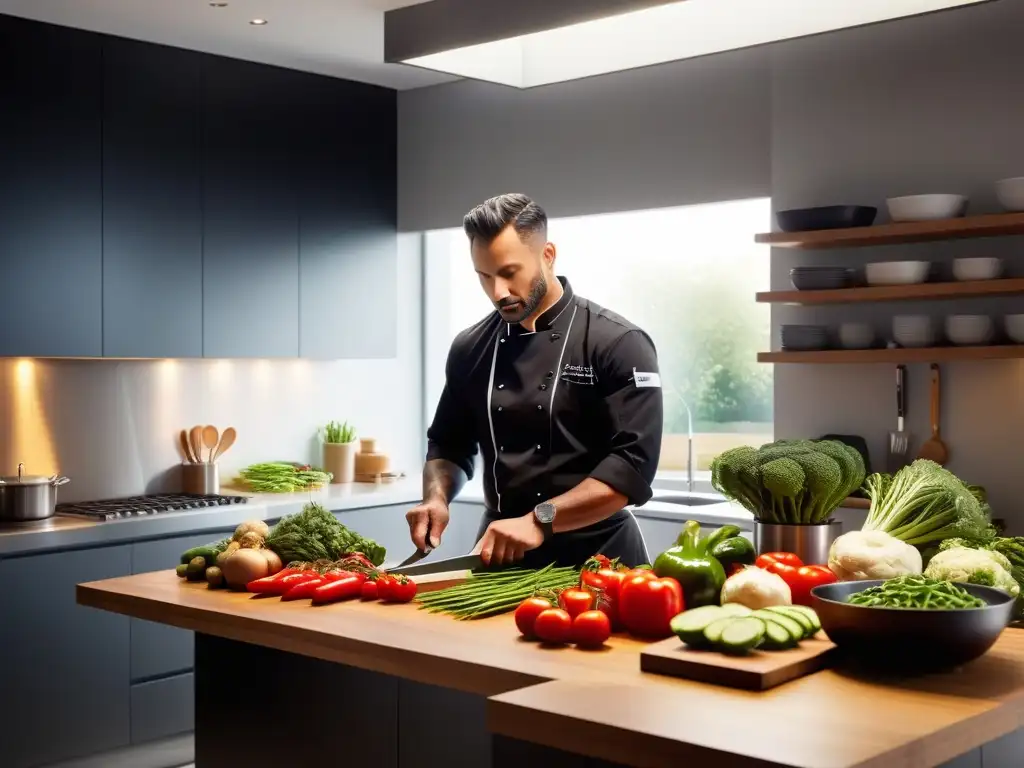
258	22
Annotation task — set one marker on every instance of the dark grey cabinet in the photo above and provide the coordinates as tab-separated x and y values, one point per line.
163	708
50	190
347	186
152	201
64	682
251	220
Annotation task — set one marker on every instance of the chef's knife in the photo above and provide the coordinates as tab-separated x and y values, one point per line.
462	563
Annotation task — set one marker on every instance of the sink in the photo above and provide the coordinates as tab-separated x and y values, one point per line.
688	499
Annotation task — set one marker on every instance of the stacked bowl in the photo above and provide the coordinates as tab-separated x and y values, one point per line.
804	338
1014	325
819	278
969	330
913	330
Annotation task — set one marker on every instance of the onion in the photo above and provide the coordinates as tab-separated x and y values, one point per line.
273	560
244	566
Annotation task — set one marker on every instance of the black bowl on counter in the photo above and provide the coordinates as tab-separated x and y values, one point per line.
910	640
826	217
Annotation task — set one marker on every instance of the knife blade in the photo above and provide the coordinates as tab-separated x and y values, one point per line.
462	563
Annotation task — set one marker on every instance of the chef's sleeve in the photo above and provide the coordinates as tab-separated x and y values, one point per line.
631	388
451	435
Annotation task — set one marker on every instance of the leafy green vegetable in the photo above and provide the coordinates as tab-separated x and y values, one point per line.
789	481
338	433
315	534
925	503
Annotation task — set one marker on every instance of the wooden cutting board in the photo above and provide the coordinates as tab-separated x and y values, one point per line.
757	671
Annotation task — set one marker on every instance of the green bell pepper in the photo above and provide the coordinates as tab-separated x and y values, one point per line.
699	574
729	548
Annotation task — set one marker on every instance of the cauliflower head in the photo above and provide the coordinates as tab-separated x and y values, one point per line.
973	566
860	555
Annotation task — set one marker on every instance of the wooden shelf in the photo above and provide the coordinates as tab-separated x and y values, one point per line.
991	225
900	355
918	292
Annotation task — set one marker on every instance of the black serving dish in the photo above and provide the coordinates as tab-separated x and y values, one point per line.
910	641
826	217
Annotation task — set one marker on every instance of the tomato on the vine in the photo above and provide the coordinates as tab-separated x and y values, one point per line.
384	582
575	601
591	629
553	626
527	612
401	589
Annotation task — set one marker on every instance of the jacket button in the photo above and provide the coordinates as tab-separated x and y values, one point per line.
540	407
500	408
538	495
542	387
539	447
550	374
501	340
502	449
555	336
501	386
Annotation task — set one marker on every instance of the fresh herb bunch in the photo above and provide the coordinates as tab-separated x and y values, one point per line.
916	592
282	477
491	592
315	534
338	433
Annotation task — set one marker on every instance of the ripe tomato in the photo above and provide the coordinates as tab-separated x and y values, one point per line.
527	612
401	589
805	578
384	582
647	604
607	582
769	559
368	590
575	601
553	626
591	629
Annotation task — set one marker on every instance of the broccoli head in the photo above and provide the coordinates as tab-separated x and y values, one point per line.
785	481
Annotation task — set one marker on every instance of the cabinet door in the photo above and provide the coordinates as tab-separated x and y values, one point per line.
50	190
163	708
65	681
251	224
348	248
159	650
152	202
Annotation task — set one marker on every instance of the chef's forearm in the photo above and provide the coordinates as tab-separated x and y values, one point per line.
589	502
442	480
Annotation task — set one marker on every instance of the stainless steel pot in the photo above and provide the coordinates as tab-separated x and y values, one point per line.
810	543
29	497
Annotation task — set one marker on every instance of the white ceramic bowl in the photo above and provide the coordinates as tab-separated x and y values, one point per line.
856	335
967	330
983	268
896	272
926	207
1010	193
913	330
1014	325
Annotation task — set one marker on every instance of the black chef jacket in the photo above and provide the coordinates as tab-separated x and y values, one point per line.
578	397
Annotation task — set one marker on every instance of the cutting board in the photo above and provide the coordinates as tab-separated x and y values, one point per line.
757	671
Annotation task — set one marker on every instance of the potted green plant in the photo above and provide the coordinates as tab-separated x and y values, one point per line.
340	449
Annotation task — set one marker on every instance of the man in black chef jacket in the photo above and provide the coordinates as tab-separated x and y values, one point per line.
562	396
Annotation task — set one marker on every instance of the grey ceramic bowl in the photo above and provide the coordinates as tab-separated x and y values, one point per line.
906	640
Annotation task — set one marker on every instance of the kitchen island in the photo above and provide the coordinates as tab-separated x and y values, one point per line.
395	686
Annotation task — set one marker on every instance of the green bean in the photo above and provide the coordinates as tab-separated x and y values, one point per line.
492	592
916	592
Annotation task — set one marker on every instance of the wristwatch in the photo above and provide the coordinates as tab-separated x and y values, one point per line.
545	515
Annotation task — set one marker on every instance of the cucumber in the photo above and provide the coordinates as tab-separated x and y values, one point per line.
735	609
689	626
787	610
713	631
776	636
742	634
809	613
793	629
208	552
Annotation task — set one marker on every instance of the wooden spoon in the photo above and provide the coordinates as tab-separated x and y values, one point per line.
186	448
226	441
934	448
195	438
210	439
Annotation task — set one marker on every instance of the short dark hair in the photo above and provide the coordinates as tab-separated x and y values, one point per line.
491	217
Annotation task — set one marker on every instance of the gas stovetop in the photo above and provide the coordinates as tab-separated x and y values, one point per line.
140	506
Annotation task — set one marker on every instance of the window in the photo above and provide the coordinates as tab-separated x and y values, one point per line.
685	275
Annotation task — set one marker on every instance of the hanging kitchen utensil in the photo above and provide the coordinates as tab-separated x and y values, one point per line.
186	448
227	439
934	448
211	437
195	439
899	441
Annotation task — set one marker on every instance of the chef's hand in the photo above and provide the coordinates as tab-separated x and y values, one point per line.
506	541
432	514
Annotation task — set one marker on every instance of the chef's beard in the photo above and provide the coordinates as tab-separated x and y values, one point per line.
538	290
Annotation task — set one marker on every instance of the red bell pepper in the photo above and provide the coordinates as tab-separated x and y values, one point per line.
334	591
768	559
303	590
263	586
647	604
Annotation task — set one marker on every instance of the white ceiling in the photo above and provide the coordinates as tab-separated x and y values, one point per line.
342	38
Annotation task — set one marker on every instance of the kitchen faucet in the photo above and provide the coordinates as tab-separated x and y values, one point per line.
689	444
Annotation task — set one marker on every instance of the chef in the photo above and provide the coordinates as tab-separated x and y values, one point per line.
562	397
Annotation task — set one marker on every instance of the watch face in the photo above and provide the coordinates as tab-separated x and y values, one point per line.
545	512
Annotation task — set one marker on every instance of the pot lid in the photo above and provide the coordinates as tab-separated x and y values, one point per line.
23	479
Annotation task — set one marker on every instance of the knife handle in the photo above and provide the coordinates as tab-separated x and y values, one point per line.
900	391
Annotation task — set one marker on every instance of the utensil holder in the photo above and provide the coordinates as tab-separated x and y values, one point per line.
340	461
810	543
200	478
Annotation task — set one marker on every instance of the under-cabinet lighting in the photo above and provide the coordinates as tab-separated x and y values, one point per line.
258	22
573	39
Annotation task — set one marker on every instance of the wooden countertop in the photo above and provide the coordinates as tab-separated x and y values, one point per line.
599	703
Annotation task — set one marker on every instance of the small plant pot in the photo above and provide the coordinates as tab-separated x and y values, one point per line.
340	461
810	542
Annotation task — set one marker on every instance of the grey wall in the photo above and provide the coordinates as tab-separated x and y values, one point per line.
930	104
672	135
112	426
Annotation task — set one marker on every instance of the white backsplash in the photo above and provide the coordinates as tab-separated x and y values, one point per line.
112	426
